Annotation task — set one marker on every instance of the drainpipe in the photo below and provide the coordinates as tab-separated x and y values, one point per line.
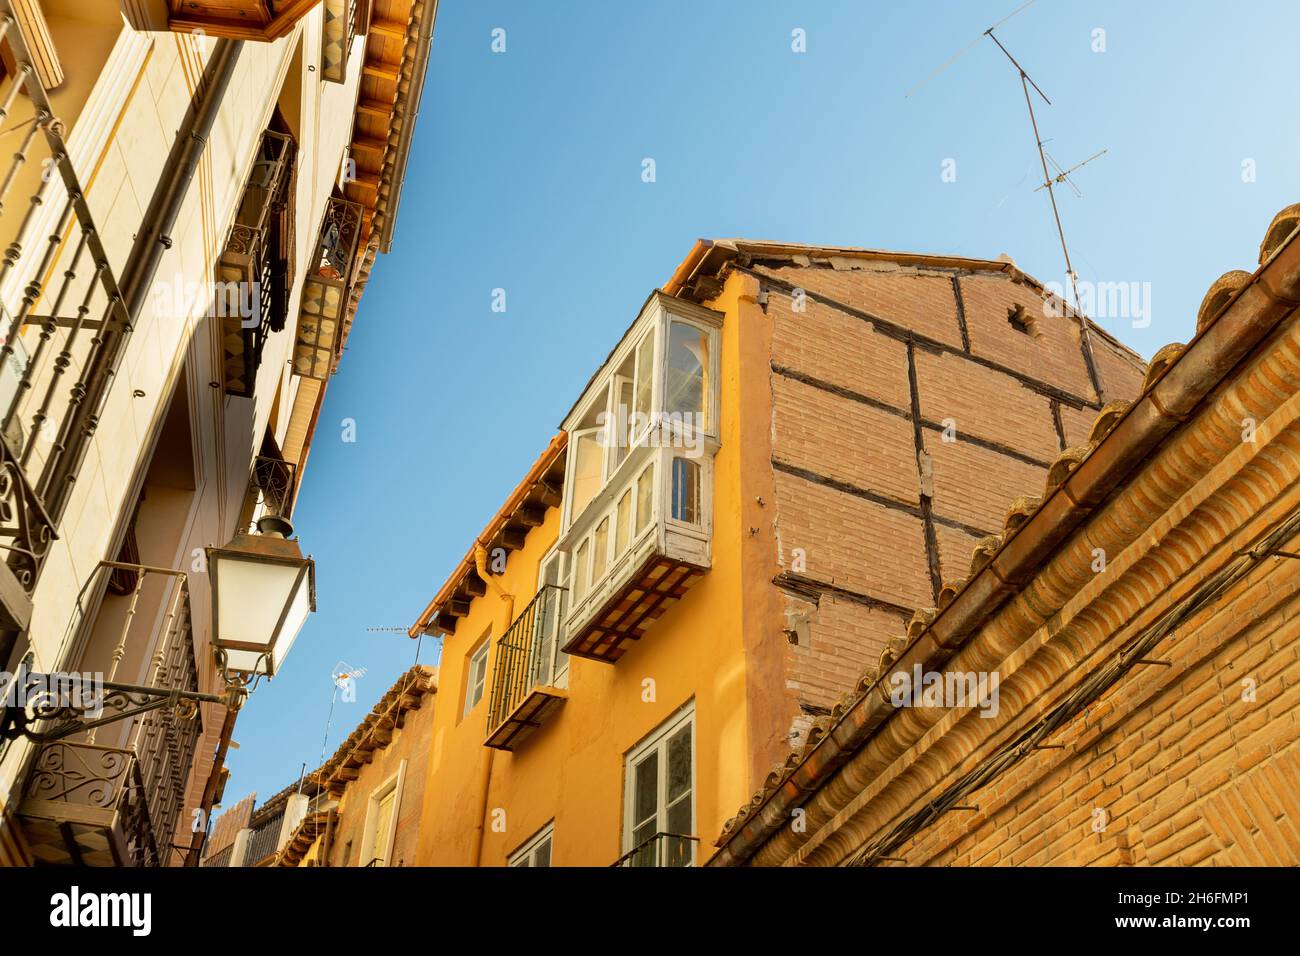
485	779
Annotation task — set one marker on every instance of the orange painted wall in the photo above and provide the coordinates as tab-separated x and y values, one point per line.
571	769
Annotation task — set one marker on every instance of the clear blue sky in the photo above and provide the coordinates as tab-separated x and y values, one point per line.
526	175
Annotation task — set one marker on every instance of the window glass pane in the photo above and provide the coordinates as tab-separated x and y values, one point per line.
616	432
676	851
645	498
645	363
383	819
623	523
587	458
581	571
600	550
645	794
685	385
647	855
476	677
686	491
679	764
542	855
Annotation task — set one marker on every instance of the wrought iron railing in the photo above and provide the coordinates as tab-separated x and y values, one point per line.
264	841
84	777
526	653
275	481
253	278
143	771
221	857
61	313
163	740
662	849
326	289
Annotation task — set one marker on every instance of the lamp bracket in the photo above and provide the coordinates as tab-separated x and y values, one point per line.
29	708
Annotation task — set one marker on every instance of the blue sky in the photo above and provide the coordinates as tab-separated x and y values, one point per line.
526	175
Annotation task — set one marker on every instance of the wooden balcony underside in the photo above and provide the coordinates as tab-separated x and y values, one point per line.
534	710
659	583
59	834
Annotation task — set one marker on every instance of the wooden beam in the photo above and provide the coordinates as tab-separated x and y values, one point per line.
375	108
549	494
513	538
381	71
475	585
389	28
372	143
530	517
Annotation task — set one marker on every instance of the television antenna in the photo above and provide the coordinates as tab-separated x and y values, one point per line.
342	676
1050	180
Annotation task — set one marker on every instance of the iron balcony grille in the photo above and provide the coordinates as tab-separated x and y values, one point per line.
130	793
253	273
524	671
276	480
86	805
326	290
264	841
340	27
62	322
221	857
663	849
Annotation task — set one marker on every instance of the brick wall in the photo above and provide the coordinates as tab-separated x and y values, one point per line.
1174	765
907	413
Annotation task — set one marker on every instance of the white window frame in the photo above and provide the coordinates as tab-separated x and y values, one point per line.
392	785
482	650
658	740
559	673
656	319
528	850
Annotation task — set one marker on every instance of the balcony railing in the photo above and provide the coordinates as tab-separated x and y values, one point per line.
62	323
662	849
325	291
85	805
264	841
636	548
275	481
221	857
93	804
340	26
527	667
251	297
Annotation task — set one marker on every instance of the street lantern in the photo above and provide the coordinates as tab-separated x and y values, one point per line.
262	591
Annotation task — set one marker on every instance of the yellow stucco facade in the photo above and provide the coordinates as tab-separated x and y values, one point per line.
570	772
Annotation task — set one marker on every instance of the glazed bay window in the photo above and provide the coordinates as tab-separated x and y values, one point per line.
637	517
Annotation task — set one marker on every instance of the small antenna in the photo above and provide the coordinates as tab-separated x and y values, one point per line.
1084	326
1063	175
342	676
1049	180
966	49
